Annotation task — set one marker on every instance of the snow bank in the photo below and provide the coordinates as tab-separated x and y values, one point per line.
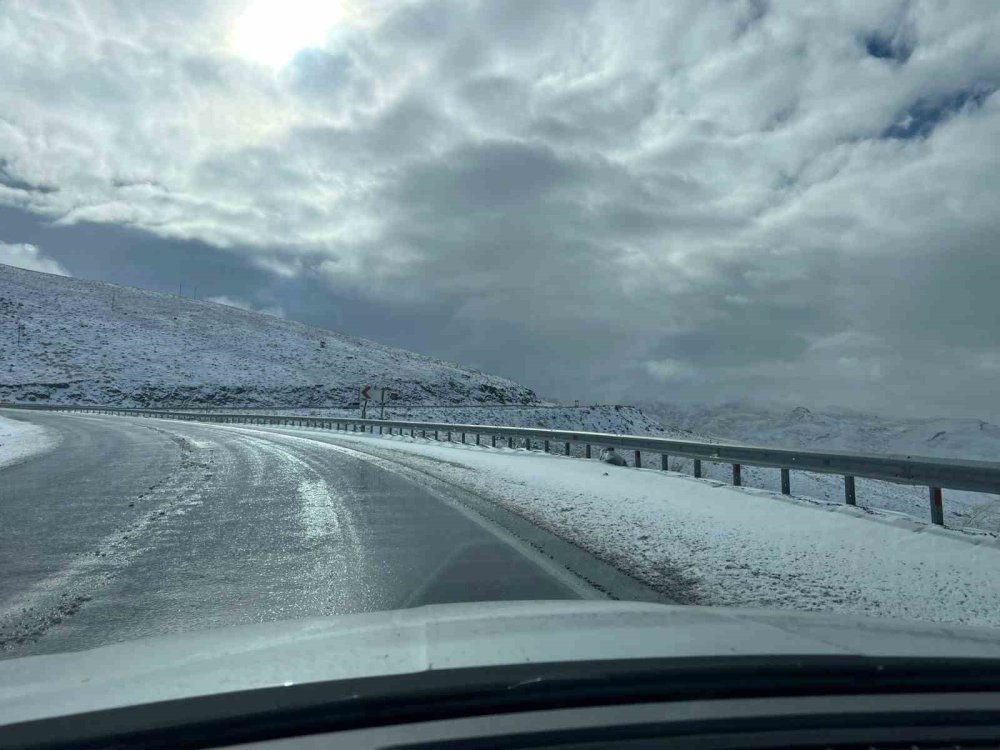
20	440
738	547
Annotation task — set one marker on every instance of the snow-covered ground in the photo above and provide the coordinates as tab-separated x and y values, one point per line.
725	545
90	342
844	431
20	440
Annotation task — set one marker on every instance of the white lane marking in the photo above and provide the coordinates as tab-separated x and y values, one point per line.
319	509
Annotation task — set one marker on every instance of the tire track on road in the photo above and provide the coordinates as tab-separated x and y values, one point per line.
29	616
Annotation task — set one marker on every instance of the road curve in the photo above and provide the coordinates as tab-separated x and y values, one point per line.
138	527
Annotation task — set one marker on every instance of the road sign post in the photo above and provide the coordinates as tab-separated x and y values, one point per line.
366	396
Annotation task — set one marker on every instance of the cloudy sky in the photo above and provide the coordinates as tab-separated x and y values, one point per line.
612	200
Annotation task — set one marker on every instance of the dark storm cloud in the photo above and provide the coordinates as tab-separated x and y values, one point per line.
488	178
602	199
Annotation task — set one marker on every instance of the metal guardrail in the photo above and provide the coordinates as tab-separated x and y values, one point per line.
933	473
354	406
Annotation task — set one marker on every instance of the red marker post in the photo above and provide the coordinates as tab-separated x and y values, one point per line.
937	506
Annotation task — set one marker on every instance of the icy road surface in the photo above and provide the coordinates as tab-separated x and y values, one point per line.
704	542
137	527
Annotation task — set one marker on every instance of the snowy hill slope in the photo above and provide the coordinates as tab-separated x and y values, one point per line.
846	431
837	431
90	342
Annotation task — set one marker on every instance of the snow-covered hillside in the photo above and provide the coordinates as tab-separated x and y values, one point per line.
90	342
846	431
830	430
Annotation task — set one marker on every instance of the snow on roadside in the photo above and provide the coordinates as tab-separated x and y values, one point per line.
21	440
738	547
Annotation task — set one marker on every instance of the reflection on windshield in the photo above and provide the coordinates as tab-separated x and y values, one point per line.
314	310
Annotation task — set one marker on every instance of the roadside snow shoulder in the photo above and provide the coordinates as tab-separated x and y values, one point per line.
737	547
21	440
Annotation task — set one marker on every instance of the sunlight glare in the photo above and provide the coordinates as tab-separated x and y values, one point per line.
272	31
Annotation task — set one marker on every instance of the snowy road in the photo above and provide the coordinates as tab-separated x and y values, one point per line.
138	527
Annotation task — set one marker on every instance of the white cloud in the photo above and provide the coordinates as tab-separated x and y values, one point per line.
29	257
667	370
613	180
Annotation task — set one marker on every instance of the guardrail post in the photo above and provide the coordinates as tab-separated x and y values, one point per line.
786	482
737	476
379	429
567	447
697	468
546	446
588	450
493	441
413	432
527	443
937	506
436	435
449	436
477	438
664	462
510	442
463	437
638	459
849	495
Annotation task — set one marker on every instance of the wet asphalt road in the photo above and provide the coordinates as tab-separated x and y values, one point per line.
135	527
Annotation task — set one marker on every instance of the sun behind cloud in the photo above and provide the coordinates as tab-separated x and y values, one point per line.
272	31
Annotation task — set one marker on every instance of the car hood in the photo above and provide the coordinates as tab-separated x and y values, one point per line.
447	637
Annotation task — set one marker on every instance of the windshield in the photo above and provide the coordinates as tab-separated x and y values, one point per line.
317	309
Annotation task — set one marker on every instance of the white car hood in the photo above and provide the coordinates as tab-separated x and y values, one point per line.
446	637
